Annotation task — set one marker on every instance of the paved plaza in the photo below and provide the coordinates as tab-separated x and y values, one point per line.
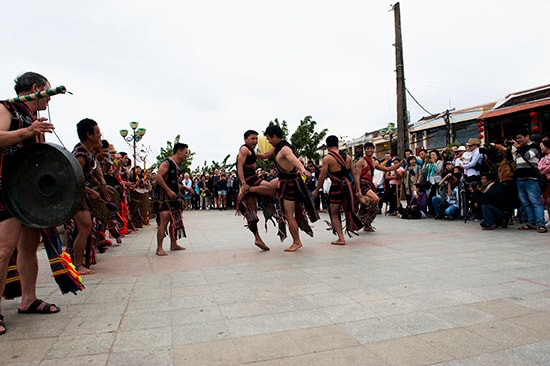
418	292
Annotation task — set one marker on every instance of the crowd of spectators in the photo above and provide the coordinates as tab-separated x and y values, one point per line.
492	184
497	184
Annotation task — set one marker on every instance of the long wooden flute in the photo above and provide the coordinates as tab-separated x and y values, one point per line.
41	94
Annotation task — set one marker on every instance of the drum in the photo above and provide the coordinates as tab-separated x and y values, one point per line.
145	208
113	182
43	185
100	209
136	199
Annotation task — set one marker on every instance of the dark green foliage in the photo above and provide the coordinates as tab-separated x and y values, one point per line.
306	141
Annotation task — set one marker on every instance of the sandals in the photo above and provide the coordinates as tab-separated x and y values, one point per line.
540	229
2	325
46	308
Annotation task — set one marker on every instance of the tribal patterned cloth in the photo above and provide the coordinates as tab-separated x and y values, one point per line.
367	213
341	193
177	228
292	188
12	289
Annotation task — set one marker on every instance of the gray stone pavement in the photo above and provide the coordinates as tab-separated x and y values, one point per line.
419	292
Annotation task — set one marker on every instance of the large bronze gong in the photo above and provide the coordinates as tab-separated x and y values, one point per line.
43	185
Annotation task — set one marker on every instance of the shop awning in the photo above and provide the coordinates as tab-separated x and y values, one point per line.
515	109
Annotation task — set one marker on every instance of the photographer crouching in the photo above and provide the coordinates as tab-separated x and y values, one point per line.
446	203
490	198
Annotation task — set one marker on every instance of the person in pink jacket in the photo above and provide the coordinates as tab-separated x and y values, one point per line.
544	167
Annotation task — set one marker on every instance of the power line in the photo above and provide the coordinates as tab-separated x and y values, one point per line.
420	105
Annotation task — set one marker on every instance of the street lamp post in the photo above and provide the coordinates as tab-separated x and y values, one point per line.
134	138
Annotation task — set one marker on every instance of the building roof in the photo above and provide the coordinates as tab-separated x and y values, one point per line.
521	101
515	109
455	116
524	96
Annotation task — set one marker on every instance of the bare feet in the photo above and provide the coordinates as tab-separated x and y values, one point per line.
364	200
368	228
176	247
338	242
83	271
294	247
161	253
261	245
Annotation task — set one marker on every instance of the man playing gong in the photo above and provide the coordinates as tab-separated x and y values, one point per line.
19	126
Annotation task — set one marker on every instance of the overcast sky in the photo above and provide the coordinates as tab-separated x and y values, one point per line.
209	70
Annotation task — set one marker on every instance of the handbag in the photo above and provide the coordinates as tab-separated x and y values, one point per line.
542	179
543	182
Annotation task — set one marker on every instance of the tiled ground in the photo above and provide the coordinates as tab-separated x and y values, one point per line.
413	293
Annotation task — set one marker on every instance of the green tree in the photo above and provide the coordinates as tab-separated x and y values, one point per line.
270	162
306	141
166	152
216	165
283	125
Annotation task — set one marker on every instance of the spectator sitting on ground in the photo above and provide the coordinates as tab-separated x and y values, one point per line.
490	197
418	204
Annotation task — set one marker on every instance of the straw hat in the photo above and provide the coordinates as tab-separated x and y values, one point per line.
473	141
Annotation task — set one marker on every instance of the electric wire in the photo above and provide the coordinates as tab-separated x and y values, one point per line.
420	105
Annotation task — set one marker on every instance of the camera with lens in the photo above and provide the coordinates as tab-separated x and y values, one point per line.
508	142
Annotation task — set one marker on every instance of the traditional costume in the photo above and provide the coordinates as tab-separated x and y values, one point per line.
341	193
22	117
90	164
253	180
163	202
368	212
124	215
293	188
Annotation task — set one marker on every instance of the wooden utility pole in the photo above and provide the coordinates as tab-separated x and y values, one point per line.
402	115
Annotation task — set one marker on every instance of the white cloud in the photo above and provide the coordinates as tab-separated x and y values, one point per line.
210	70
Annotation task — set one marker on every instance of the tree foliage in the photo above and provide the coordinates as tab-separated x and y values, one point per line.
224	165
306	141
283	125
